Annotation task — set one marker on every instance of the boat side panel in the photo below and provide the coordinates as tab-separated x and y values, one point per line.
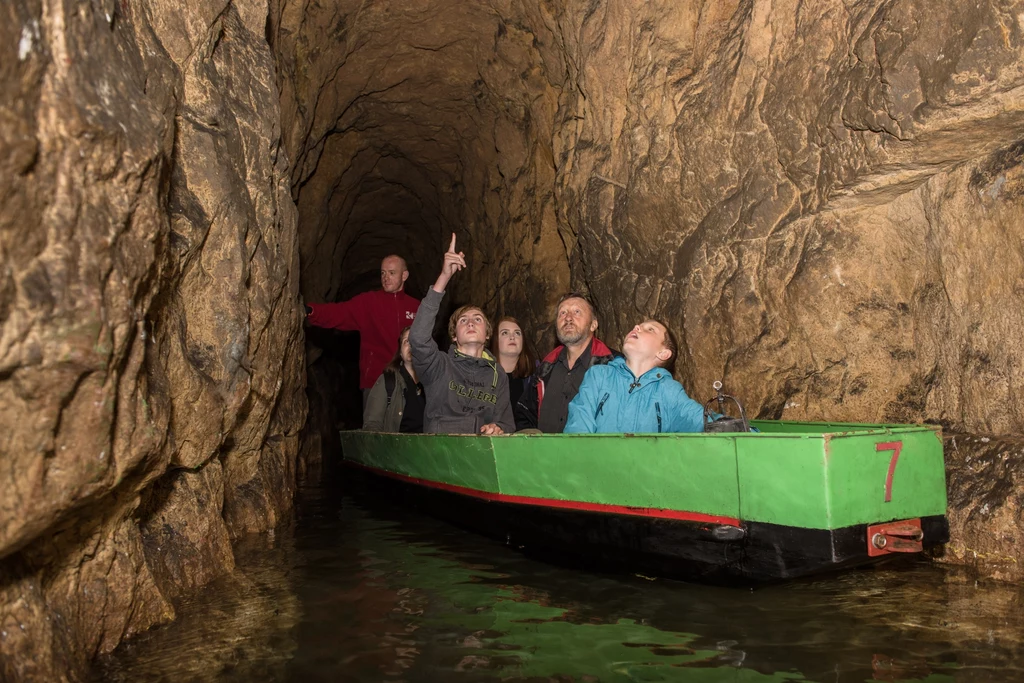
459	460
782	481
859	477
690	473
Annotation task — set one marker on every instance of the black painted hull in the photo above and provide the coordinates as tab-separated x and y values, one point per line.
754	553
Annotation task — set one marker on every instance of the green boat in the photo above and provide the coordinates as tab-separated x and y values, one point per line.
792	500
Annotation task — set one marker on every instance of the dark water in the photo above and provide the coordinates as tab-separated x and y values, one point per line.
370	592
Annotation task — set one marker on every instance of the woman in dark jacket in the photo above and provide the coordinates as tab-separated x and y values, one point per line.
513	352
396	401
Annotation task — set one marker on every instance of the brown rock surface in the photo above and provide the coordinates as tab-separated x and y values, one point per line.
184	534
150	335
823	199
254	636
985	484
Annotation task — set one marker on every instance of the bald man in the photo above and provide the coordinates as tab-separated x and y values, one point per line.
378	316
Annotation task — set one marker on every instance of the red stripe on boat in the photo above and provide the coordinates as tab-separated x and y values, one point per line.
555	503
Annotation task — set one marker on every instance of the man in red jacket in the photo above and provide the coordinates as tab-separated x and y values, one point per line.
378	316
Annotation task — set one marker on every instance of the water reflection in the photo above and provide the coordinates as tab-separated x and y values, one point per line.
365	592
239	628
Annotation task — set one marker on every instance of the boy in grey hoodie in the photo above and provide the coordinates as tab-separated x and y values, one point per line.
467	392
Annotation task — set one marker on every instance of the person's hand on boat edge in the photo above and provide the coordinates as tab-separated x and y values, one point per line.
454	261
491	430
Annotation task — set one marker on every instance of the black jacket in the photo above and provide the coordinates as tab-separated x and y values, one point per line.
527	410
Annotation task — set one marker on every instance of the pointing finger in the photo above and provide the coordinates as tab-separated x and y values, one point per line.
452	248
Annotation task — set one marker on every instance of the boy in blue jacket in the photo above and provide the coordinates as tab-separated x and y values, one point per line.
636	394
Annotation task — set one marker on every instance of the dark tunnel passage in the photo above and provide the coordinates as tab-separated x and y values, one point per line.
394	208
416	127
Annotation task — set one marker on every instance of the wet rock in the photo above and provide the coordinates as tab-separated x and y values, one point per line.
150	333
985	483
76	593
183	530
253	636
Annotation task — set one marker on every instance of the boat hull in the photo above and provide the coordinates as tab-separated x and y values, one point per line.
709	551
728	509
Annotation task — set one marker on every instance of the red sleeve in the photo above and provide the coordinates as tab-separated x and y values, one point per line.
344	315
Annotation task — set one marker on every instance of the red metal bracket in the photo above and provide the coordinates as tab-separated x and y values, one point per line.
904	536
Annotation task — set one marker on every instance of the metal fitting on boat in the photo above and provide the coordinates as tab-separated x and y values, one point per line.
727	532
905	536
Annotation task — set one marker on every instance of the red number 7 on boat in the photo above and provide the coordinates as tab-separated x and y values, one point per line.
895	447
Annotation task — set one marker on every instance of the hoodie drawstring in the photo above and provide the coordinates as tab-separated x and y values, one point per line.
491	363
494	369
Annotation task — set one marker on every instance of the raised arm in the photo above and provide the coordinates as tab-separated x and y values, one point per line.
454	261
426	357
342	315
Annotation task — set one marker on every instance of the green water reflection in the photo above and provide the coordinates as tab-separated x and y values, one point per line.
371	593
514	632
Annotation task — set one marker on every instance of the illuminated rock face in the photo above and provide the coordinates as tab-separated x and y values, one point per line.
822	200
151	389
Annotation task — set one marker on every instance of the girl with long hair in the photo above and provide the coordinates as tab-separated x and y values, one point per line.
513	352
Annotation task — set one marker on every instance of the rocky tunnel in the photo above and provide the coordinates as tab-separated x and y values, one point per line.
445	128
823	199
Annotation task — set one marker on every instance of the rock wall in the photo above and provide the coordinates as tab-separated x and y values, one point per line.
151	387
819	197
984	477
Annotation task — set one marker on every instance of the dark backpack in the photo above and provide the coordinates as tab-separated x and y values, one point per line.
389	384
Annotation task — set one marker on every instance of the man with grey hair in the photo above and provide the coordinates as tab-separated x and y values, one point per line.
378	316
544	403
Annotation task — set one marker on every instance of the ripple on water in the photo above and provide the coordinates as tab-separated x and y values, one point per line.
367	592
